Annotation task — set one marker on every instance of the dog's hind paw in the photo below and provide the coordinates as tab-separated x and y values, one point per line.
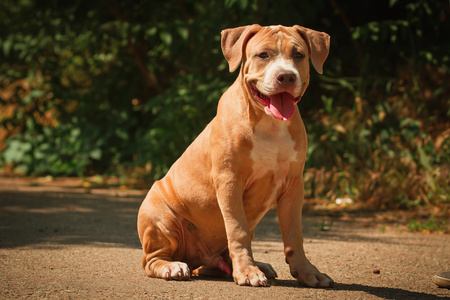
176	271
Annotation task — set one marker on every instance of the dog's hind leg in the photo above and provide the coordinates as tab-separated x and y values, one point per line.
161	240
158	262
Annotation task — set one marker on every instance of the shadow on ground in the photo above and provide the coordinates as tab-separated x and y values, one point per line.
65	217
385	292
73	216
382	292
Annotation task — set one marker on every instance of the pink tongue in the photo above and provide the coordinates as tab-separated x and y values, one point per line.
282	106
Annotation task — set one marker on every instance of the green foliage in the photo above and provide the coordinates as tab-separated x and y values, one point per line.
382	136
429	225
105	87
179	116
57	151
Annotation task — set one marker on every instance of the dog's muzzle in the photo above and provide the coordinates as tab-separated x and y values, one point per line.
281	105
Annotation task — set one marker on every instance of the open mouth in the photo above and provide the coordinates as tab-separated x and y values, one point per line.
281	105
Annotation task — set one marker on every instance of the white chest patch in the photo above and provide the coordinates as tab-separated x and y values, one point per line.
273	151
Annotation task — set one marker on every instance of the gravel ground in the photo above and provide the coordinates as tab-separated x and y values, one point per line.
63	242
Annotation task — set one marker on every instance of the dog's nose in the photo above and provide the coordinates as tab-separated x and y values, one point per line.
286	78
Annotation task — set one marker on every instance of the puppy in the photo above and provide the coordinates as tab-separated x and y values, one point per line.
250	157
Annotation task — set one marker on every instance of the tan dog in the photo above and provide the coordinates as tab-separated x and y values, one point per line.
250	157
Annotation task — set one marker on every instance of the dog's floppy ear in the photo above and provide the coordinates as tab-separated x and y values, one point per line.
319	43
234	41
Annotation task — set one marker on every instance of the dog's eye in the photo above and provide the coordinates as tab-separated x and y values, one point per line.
298	55
263	55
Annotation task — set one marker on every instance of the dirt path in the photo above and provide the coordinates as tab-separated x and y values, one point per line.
70	243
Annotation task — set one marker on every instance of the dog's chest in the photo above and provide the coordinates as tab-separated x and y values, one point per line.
273	152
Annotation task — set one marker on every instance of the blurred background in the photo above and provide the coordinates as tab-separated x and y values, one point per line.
120	88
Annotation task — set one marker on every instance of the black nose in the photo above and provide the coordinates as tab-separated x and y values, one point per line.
286	78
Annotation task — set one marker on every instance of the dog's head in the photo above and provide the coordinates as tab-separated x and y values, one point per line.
275	63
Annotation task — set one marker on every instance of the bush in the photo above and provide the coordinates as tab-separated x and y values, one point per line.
108	87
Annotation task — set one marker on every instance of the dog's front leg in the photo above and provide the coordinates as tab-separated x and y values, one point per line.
290	218
229	195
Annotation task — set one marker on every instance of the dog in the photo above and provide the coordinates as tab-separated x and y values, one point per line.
248	158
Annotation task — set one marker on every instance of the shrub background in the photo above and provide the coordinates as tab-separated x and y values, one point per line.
122	87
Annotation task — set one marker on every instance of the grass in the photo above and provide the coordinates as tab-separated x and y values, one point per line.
428	226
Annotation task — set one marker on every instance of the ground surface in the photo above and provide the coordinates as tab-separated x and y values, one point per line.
73	243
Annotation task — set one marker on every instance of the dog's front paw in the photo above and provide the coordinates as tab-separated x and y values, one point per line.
250	275
311	277
177	271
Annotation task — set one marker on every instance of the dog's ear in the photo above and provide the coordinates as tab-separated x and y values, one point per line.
319	44
234	41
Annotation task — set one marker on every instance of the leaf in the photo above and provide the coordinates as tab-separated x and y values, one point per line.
96	154
356	33
7	45
229	3
35	93
121	133
392	2
423	158
16	150
151	31
183	32
166	37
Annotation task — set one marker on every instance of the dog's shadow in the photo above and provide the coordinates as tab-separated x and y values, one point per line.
384	292
381	292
